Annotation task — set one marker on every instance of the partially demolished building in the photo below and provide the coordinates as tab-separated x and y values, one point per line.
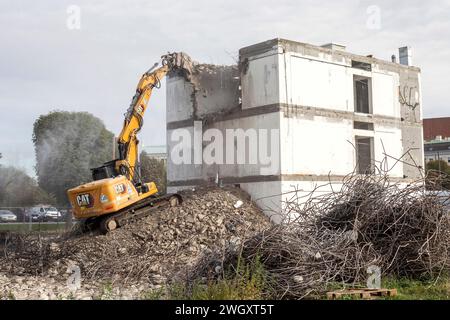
293	116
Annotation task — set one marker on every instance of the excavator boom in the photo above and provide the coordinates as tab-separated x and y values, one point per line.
134	118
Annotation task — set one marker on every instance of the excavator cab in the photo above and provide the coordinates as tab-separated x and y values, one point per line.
107	170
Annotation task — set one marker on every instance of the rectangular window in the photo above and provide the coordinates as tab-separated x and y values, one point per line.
362	94
364	155
361	65
362	125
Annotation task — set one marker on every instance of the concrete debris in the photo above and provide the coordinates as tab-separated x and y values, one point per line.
14	287
182	63
214	88
157	249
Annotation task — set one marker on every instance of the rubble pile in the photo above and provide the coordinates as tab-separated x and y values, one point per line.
157	248
15	287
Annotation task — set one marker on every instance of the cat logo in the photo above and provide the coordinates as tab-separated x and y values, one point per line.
84	200
120	188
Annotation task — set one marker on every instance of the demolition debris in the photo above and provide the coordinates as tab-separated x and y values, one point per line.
160	247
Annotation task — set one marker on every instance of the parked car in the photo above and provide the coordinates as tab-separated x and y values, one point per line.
43	214
7	216
52	214
35	214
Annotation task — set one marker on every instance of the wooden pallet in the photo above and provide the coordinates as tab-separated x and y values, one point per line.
364	293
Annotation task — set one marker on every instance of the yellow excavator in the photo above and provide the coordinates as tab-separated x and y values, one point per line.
117	195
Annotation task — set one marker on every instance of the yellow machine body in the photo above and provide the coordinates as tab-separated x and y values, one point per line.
105	196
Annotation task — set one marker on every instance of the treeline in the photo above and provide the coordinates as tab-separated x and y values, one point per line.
17	189
67	145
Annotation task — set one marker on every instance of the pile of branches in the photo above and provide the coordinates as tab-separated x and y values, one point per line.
342	236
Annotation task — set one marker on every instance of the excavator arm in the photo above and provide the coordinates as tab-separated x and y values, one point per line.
126	163
134	117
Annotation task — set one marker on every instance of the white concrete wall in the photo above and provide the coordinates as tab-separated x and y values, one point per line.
322	83
318	84
178	99
204	170
319	145
270	121
316	146
176	172
267	195
388	140
260	84
302	191
385	94
322	146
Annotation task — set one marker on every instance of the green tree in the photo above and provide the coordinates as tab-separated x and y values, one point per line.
438	175
17	189
154	170
67	146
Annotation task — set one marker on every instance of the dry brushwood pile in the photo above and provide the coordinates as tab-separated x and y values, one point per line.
156	248
336	237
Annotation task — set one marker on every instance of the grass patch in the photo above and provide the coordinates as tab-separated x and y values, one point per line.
25	227
245	281
408	289
107	292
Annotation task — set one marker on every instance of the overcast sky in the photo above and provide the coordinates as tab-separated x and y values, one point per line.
44	65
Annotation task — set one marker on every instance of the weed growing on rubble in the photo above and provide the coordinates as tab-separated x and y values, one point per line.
11	296
244	281
154	294
107	292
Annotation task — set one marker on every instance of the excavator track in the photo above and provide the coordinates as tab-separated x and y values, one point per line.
131	214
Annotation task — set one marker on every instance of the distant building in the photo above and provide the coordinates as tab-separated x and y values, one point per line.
156	152
437	150
436	128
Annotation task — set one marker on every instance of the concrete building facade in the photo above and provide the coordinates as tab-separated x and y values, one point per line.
327	112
